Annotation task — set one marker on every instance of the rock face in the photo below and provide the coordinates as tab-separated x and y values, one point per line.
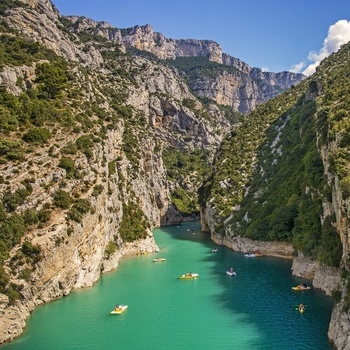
144	38
77	259
246	88
339	328
324	277
242	90
125	163
39	23
245	245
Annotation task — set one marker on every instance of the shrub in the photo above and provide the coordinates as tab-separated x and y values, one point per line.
62	199
98	189
70	148
32	252
79	209
37	136
68	164
11	150
52	79
110	249
12	229
134	223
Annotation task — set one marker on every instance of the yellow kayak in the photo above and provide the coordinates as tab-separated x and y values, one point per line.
301	288
159	259
188	276
119	310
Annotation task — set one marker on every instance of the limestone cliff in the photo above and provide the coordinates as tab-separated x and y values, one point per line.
242	90
85	125
96	187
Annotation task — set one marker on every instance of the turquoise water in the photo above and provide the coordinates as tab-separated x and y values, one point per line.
253	310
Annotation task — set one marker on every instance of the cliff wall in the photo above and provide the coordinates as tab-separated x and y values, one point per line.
128	110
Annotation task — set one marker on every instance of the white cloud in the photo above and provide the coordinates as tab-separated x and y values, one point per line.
297	67
338	35
264	69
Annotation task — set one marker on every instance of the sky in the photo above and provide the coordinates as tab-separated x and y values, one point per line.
274	35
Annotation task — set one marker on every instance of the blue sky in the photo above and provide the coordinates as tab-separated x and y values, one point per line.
275	35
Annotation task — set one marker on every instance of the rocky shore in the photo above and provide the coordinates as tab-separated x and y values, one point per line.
325	278
13	318
246	245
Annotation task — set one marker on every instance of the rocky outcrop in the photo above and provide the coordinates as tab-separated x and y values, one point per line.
242	90
246	245
323	277
74	253
144	38
10	76
339	328
40	23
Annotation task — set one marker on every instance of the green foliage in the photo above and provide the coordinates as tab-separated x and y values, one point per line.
97	190
112	168
62	199
110	249
12	200
12	292
195	66
6	5
8	121
68	164
85	143
37	136
11	230
183	167
183	202
80	208
4	279
25	274
131	147
32	252
52	79
15	51
134	223
70	148
11	150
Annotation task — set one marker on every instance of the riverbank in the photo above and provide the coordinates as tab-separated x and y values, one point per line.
246	245
233	312
323	277
13	317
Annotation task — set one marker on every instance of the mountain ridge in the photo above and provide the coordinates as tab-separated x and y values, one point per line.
100	143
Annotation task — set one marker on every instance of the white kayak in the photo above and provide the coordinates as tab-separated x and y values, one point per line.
231	273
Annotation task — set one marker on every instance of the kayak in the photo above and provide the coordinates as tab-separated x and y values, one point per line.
119	310
159	259
250	255
301	308
301	288
188	276
231	273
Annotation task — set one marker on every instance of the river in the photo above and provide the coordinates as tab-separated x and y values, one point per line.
256	309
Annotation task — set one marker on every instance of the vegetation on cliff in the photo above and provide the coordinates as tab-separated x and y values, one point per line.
54	125
50	120
269	181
